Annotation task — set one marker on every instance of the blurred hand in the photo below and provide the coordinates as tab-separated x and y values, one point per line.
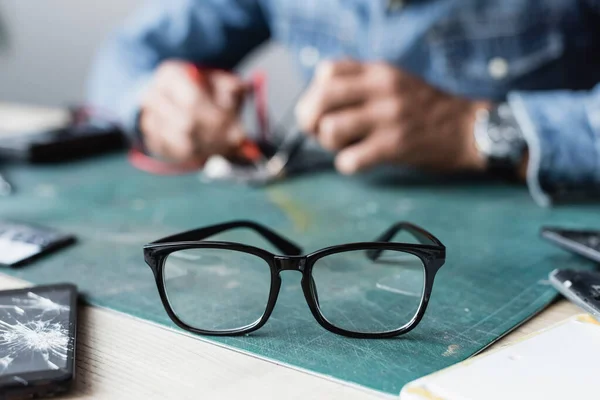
186	120
374	113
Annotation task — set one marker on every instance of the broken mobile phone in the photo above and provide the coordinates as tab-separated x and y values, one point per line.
38	328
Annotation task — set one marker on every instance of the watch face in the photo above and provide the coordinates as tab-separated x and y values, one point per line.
504	139
499	137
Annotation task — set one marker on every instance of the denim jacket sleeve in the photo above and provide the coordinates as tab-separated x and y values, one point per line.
218	33
562	129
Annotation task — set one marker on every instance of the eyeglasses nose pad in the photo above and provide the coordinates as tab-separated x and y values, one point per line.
313	288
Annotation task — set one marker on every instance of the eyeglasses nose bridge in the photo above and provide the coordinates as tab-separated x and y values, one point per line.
290	263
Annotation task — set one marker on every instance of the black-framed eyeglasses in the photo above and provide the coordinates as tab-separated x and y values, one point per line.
366	290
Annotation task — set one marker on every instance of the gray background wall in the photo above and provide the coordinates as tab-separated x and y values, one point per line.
46	48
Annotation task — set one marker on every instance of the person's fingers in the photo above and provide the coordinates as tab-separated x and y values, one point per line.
338	129
344	84
323	97
210	133
228	90
235	134
341	128
329	69
173	79
169	130
165	142
214	129
197	116
215	112
178	146
336	84
195	95
378	148
382	79
160	104
150	125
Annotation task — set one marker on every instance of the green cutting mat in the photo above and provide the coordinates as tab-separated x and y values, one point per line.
494	277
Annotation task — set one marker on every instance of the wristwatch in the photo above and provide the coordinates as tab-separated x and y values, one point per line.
499	139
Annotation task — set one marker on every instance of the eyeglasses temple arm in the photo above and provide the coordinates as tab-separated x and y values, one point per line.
417	232
283	244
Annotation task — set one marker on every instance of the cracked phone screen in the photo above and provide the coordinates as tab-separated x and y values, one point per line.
34	331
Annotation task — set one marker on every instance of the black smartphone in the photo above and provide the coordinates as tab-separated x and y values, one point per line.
38	329
581	287
586	243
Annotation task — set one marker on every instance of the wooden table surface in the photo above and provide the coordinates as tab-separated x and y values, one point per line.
120	357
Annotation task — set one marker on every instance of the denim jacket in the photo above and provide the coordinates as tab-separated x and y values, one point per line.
543	57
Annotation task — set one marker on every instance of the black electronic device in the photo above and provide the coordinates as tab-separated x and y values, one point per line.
38	329
581	287
21	242
586	243
61	144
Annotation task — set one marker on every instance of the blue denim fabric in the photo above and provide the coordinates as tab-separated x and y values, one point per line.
543	56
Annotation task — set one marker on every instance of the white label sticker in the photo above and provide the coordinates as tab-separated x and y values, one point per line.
12	252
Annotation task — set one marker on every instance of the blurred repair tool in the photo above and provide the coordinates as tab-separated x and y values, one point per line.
218	168
264	171
249	151
5	187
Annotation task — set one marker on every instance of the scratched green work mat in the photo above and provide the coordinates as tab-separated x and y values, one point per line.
493	280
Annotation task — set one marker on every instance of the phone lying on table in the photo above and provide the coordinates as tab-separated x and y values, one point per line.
581	287
38	328
22	242
584	242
